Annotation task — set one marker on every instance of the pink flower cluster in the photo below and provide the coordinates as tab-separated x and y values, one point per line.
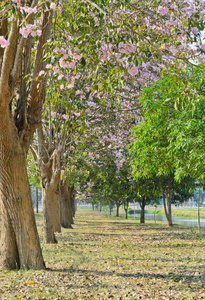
28	10
133	71
163	10
126	48
17	2
30	29
91	104
3	42
66	65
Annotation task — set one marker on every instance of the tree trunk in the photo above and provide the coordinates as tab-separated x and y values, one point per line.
37	201
48	165
51	215
199	227
56	212
65	205
125	213
19	241
117	211
167	207
169	204
142	206
72	204
126	205
49	174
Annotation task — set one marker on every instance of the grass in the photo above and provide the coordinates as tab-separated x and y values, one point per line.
180	212
104	257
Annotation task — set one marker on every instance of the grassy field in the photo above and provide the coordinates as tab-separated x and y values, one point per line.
104	257
180	212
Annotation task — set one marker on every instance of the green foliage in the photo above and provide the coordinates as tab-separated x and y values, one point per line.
171	138
32	173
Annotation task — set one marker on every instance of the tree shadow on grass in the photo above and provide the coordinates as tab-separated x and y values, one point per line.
172	276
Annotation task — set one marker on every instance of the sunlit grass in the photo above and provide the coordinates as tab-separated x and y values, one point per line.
188	212
104	257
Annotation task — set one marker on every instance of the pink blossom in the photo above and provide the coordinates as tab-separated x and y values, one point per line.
72	148
79	92
61	87
96	21
60	76
39	32
65	117
200	59
62	63
77	114
126	48
53	114
34	10
194	30
92	104
71	85
203	46
33	33
88	111
24	32
41	73
48	66
71	65
53	5
56	49
17	2
133	71
163	10
77	56
56	70
3	42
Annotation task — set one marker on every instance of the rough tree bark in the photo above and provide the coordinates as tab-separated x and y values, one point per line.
19	241
65	205
48	165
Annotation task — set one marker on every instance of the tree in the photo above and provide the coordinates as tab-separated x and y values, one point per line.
145	191
150	150
20	115
128	52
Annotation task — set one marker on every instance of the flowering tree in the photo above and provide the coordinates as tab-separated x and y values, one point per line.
120	44
24	31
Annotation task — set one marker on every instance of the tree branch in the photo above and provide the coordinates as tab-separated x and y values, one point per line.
7	62
38	85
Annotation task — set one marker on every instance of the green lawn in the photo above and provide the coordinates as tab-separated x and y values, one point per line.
180	212
105	257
